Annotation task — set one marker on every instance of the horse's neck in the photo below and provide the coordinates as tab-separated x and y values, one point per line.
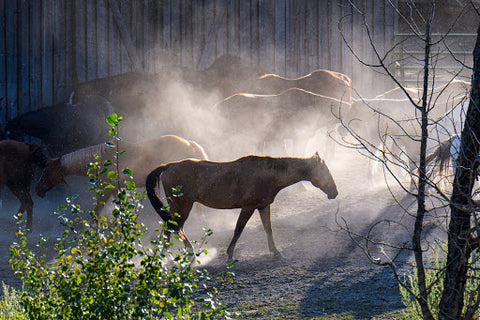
76	163
291	170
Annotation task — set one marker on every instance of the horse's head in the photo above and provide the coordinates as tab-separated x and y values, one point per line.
321	177
52	175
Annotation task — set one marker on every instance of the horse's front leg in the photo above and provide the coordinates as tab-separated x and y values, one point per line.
245	215
26	202
267	226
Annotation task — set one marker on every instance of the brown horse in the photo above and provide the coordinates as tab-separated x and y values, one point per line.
18	161
328	83
141	158
249	183
252	119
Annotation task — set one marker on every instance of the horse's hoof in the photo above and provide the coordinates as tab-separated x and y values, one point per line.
230	261
278	256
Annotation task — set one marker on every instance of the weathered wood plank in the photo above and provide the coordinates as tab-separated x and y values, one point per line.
221	41
114	45
70	42
59	52
198	31
175	32
311	21
167	26
210	48
124	32
24	57
347	30
102	39
245	32
35	56
91	58
233	28
266	10
280	37
290	59
81	50
186	33
323	33
254	31
3	67
335	50
11	27
301	54
150	14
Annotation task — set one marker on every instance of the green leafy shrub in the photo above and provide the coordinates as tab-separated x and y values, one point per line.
434	277
102	269
10	307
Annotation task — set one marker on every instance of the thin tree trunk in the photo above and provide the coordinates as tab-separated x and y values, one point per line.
452	302
417	244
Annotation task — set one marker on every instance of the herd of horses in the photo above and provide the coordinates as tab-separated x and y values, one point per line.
254	107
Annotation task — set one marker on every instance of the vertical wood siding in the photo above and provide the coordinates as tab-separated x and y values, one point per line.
48	45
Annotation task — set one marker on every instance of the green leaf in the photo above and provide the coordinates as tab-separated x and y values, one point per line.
130	185
111	175
112	119
127	172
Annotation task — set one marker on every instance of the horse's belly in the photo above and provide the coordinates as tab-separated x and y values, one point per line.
218	203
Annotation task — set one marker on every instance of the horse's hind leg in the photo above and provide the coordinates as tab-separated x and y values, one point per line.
186	241
245	215
183	211
267	225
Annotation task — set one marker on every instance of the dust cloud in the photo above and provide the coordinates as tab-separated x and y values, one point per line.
195	109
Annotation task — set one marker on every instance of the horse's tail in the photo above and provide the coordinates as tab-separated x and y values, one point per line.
150	184
38	153
199	151
441	155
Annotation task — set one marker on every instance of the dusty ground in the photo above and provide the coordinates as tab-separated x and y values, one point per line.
322	271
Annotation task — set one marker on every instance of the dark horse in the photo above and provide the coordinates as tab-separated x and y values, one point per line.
249	183
65	127
17	167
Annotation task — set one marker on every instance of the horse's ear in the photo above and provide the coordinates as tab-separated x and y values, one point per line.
316	156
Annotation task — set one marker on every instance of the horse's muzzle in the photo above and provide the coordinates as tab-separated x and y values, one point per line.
332	195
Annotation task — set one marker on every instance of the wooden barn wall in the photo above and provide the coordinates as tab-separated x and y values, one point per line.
48	45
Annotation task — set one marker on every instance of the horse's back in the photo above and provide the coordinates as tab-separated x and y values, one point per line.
145	156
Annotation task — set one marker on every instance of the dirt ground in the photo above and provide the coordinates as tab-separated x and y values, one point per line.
322	272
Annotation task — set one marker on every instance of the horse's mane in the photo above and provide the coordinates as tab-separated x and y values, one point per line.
77	161
198	150
332	73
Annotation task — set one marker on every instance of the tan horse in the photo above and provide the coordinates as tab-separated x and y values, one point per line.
249	183
18	161
141	158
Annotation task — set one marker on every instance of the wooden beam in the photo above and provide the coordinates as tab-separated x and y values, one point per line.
125	35
220	17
